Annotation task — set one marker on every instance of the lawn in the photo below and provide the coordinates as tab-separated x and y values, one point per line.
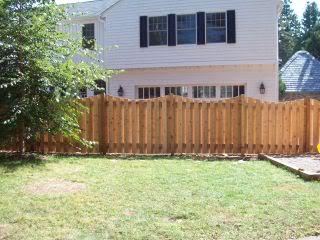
154	199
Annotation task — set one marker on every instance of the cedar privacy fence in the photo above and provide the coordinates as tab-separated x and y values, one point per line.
177	125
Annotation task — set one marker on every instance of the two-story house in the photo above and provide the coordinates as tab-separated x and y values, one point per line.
194	48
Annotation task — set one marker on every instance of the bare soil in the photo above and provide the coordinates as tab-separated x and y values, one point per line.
310	238
5	231
55	187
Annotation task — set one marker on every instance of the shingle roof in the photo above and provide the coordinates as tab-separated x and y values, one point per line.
302	73
90	8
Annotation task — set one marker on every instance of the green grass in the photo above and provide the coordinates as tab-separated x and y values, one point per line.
156	199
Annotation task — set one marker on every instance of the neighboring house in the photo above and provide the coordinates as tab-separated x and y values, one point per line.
301	74
193	48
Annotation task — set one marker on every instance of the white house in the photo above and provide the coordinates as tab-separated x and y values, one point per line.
194	48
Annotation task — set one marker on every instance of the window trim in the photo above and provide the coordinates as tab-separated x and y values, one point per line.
196	29
176	86
166	16
226	27
94	36
83	93
104	83
210	86
232	86
149	87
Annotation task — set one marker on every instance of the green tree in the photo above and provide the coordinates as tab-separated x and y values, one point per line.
289	32
312	43
39	78
310	17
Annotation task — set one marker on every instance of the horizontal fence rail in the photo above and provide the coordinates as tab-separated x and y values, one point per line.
176	125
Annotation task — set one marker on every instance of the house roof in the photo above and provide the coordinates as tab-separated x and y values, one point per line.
90	8
93	8
302	73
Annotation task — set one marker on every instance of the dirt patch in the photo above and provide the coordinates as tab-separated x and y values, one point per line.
55	187
310	238
128	213
5	230
291	187
176	219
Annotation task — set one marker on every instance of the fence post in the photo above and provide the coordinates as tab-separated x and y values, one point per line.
101	118
171	128
307	123
242	127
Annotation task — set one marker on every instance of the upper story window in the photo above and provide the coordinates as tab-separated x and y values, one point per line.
186	29
232	91
199	28
216	27
158	31
88	40
204	92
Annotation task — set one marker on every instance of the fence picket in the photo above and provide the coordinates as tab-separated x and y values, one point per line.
179	126
149	127
188	127
134	129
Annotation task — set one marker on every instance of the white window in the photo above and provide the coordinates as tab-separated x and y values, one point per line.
186	29
204	92
88	40
83	93
158	31
216	27
179	91
232	91
148	92
101	87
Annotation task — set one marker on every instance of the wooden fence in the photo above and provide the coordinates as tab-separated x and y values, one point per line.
177	125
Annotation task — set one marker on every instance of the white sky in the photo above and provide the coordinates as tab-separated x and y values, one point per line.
298	5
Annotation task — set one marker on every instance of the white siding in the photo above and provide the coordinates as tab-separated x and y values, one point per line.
256	22
251	76
75	29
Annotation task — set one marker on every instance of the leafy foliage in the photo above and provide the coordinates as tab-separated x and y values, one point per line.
39	78
282	86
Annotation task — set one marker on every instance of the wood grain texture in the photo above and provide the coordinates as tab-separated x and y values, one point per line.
180	125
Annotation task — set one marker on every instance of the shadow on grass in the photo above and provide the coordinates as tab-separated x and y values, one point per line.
119	157
12	162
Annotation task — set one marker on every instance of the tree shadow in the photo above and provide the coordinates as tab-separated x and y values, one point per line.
11	162
132	157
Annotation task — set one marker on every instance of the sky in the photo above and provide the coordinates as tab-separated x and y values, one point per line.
298	5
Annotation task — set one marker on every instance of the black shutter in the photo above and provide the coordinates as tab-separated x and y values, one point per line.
143	31
201	28
231	28
172	39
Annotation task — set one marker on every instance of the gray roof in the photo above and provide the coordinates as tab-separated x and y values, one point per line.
90	8
302	73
